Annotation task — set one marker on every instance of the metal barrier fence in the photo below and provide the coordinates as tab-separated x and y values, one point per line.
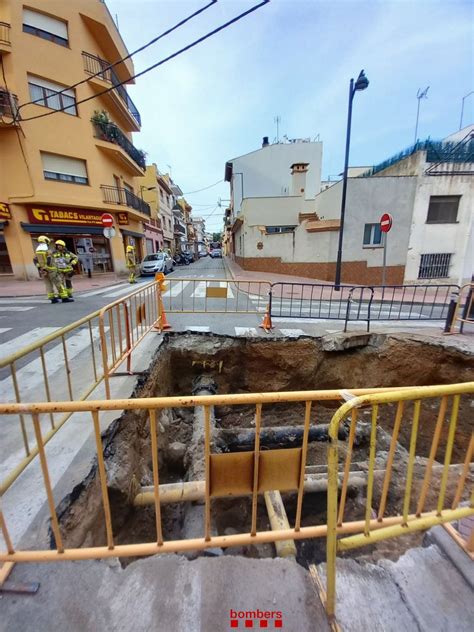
215	296
389	302
124	323
257	471
101	341
464	311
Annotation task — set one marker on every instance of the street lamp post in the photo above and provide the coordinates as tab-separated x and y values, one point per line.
361	84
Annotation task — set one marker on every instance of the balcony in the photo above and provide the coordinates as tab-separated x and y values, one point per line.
179	229
105	78
124	197
5	43
8	108
110	133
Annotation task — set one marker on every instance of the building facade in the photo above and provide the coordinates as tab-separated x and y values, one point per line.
428	190
148	187
62	171
199	226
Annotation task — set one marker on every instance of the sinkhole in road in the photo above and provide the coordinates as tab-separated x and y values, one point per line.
201	363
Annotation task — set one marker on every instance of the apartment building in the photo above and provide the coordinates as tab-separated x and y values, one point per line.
150	191
62	171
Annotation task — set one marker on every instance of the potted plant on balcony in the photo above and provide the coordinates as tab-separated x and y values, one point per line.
104	127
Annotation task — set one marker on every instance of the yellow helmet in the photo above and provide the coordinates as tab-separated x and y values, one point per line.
42	239
60	242
130	248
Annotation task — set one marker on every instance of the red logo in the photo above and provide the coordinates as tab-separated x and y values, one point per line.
256	619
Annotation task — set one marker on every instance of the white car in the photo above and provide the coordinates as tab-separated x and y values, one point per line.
157	262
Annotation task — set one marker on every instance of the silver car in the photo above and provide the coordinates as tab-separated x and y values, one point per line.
157	262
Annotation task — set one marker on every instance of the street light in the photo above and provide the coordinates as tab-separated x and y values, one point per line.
361	84
144	188
462	107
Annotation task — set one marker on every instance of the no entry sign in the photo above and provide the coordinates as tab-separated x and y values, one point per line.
107	220
386	222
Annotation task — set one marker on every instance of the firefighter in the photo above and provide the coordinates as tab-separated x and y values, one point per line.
131	264
48	271
70	259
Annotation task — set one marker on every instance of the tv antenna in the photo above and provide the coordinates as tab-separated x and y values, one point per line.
277	121
421	94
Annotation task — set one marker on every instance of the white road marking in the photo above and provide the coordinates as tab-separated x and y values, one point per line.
15	308
246	331
22	299
128	289
292	332
230	294
197	328
199	290
31	375
102	290
176	288
26	339
3	330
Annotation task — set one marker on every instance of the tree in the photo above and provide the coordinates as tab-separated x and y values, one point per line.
217	237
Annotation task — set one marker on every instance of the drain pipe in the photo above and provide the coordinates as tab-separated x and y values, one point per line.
193	523
278	521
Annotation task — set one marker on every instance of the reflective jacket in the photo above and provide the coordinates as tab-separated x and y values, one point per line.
131	260
64	260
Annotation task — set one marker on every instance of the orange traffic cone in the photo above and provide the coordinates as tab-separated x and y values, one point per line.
162	323
267	321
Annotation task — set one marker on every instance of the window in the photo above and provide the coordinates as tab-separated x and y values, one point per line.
372	235
272	230
45	26
47	93
64	168
443	209
434	266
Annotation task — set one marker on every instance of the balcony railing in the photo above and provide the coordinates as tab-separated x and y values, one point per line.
4	33
113	134
95	65
8	104
179	229
118	195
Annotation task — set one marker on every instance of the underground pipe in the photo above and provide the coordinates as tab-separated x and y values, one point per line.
278	521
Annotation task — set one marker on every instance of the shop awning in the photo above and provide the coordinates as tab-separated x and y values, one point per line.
62	230
131	233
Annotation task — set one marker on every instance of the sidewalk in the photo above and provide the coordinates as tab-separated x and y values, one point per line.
325	290
11	287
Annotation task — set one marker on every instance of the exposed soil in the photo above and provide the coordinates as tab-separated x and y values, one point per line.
252	365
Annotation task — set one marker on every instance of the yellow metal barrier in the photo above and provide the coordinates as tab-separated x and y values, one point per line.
53	348
258	471
414	516
215	296
124	323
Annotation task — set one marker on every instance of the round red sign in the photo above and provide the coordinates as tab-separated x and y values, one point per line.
107	220
386	222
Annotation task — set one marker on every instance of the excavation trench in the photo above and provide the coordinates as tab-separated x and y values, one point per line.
206	363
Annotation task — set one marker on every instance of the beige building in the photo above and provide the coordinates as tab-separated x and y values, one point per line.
59	173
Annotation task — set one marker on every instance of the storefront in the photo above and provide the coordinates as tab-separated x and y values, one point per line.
5	263
132	238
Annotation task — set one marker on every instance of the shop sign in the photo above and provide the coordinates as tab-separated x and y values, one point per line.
5	211
61	215
122	218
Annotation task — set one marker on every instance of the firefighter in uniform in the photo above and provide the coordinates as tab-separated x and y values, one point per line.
68	259
48	271
131	264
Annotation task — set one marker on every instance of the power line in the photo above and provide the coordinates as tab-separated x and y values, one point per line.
162	61
130	55
205	188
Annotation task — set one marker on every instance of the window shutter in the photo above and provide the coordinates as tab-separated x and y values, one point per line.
64	164
45	23
44	83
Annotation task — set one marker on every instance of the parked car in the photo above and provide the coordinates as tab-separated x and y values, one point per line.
203	253
216	253
157	262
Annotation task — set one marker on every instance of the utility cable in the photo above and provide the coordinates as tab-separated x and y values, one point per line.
162	61
205	188
130	55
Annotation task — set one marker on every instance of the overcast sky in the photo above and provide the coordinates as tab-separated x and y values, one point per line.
294	58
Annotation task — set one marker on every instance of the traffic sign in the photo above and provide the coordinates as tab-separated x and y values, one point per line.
109	232
386	222
107	220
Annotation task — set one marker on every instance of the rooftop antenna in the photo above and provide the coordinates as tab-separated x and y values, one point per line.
277	120
421	94
169	167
